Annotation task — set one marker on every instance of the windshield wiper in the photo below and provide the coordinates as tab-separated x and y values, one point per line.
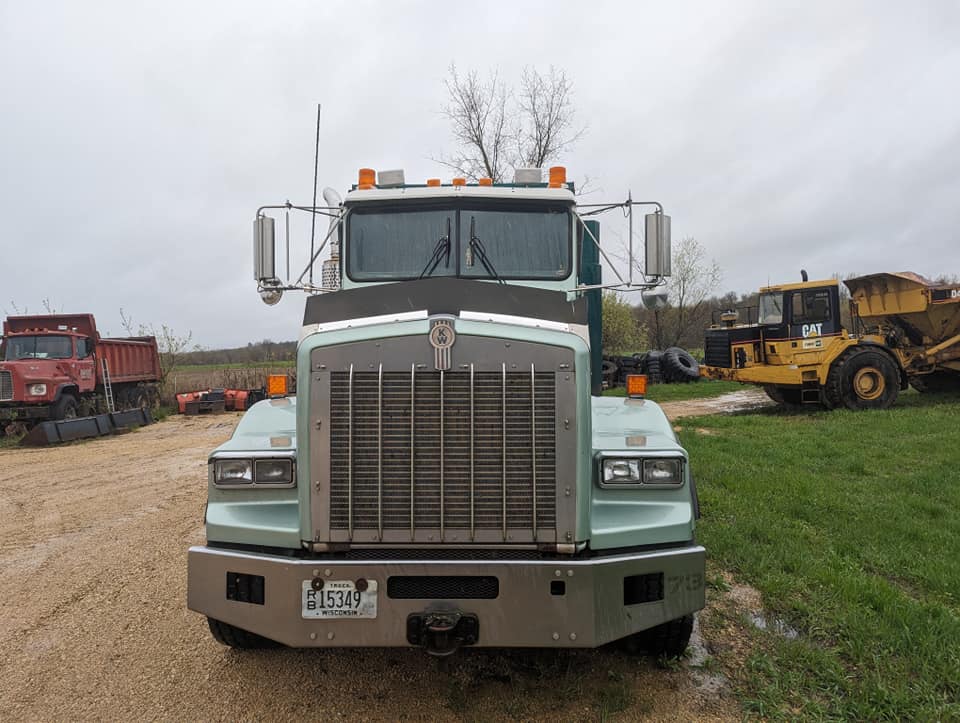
476	248
441	250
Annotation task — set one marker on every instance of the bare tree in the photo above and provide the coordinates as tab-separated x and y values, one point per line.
171	345
497	129
693	281
545	120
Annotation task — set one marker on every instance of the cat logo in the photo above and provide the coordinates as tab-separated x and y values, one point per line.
812	330
442	337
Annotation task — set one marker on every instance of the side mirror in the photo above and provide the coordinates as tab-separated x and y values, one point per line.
658	245
655	299
264	250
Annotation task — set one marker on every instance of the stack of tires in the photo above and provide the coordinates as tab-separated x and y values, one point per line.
674	365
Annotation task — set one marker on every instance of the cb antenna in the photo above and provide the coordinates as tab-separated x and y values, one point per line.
313	214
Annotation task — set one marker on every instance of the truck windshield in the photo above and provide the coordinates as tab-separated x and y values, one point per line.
771	308
394	244
37	347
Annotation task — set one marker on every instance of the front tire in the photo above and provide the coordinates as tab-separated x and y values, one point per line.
238	639
786	397
65	408
667	640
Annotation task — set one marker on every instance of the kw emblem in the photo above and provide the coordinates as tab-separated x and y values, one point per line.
442	337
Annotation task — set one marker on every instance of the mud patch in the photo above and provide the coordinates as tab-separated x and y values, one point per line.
743	401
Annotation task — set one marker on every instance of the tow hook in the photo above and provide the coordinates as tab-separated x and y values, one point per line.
442	633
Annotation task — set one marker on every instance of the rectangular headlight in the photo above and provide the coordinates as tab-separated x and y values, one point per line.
621	471
274	471
663	472
233	471
37	390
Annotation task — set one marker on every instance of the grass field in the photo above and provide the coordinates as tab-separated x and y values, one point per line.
849	526
679	392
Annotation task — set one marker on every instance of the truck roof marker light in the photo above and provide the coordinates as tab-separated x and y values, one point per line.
558	176
459	181
524	176
367	179
433	182
276	385
636	386
485	182
388	179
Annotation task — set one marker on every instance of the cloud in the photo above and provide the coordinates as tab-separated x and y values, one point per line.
136	142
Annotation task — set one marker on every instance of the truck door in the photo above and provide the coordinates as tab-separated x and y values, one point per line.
814	316
86	374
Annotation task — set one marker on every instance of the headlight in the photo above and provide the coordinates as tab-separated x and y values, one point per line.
274	471
37	390
663	472
621	471
638	472
233	471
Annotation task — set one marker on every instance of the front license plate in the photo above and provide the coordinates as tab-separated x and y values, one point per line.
339	599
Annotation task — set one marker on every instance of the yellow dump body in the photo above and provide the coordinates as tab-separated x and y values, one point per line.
928	314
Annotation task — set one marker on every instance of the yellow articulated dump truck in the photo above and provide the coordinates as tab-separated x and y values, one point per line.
906	332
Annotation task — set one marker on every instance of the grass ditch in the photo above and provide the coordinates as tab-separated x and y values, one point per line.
848	524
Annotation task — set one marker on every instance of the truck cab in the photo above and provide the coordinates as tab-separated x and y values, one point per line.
448	474
46	364
53	367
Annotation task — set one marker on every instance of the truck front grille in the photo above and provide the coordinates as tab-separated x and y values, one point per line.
456	452
6	386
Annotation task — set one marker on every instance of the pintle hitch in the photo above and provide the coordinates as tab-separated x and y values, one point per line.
441	633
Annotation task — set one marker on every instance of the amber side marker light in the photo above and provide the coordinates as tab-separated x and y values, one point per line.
277	385
636	386
433	182
367	179
485	182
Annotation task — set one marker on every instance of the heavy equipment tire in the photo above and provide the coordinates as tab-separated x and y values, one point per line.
786	397
234	637
653	366
936	382
680	365
863	378
668	640
609	372
65	407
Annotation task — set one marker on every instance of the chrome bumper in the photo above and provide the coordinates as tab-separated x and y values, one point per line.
530	610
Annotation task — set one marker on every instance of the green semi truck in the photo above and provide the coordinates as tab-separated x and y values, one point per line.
448	473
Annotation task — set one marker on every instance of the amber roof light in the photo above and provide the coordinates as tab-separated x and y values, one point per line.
558	176
367	178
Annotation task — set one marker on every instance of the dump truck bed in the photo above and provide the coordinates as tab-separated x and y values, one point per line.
928	313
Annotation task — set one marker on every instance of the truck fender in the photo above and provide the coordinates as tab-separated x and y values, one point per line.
67	388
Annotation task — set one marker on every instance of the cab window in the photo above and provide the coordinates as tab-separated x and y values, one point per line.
811	306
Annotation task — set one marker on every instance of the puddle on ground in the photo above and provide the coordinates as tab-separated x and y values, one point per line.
776	625
708	683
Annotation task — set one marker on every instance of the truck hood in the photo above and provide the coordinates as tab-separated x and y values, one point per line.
270	425
631	425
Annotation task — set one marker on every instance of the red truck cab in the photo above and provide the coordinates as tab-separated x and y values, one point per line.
51	367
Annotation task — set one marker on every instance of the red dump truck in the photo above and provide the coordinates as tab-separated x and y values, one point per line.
57	366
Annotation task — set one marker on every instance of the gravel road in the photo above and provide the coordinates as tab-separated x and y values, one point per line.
94	624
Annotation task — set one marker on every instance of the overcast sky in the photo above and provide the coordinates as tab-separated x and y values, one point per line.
137	139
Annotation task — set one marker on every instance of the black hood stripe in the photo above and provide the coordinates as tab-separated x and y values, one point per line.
445	296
